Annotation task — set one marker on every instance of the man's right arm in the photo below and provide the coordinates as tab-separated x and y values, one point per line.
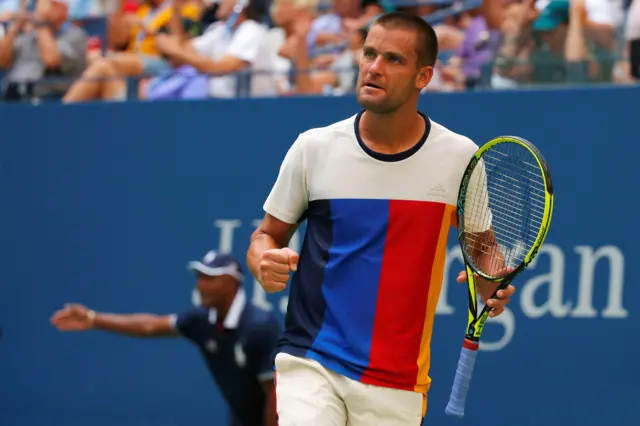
136	325
272	234
75	317
269	259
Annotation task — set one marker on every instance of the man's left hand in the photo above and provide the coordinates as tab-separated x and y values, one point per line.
503	295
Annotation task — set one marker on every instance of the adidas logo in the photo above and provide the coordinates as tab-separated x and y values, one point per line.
438	189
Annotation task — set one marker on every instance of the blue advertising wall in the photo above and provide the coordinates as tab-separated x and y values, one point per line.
105	204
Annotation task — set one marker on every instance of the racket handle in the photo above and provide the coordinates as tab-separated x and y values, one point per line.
458	397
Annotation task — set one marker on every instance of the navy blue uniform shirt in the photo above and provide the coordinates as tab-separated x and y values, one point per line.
239	353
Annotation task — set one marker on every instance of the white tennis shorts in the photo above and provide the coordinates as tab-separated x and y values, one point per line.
307	394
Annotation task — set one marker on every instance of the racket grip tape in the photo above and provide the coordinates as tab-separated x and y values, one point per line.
462	380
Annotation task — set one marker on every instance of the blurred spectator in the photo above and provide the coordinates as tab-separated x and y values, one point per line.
328	28
314	45
140	56
478	48
209	12
38	45
122	23
79	9
450	23
633	38
369	10
592	40
511	66
284	37
233	52
9	8
602	19
565	42
331	73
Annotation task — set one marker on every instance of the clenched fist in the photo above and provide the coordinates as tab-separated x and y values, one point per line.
275	267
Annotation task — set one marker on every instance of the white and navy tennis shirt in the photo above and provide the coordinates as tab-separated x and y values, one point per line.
363	299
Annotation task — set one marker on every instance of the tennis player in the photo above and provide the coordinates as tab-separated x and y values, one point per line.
378	191
236	339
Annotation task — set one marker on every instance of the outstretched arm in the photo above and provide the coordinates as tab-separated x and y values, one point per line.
75	317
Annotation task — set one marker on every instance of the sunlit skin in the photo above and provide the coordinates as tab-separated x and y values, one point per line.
391	75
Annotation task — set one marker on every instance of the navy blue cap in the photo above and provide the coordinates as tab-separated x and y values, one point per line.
214	264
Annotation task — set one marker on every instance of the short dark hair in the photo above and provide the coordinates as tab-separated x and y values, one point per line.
427	47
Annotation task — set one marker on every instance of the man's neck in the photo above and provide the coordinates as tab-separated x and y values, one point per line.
223	307
222	310
391	133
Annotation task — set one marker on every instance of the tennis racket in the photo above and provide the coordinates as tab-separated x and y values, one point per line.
505	203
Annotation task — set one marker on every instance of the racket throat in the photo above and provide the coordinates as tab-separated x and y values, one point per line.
475	328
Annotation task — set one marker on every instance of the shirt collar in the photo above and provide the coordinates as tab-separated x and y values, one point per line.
235	311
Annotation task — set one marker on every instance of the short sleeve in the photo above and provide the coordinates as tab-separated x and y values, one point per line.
9	6
632	31
204	43
247	42
605	12
289	197
190	322
72	46
260	349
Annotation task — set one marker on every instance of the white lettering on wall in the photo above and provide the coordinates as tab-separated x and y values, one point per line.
260	297
227	228
588	260
553	280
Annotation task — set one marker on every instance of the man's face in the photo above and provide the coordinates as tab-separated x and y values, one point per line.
555	38
390	73
283	12
344	7
214	290
58	12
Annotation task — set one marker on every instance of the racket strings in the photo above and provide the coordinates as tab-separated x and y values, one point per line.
506	195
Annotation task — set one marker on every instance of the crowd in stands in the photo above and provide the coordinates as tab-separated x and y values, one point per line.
113	50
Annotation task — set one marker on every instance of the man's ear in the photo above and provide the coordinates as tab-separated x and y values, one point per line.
425	74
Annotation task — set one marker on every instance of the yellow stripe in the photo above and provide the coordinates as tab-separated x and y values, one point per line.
424	357
424	404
